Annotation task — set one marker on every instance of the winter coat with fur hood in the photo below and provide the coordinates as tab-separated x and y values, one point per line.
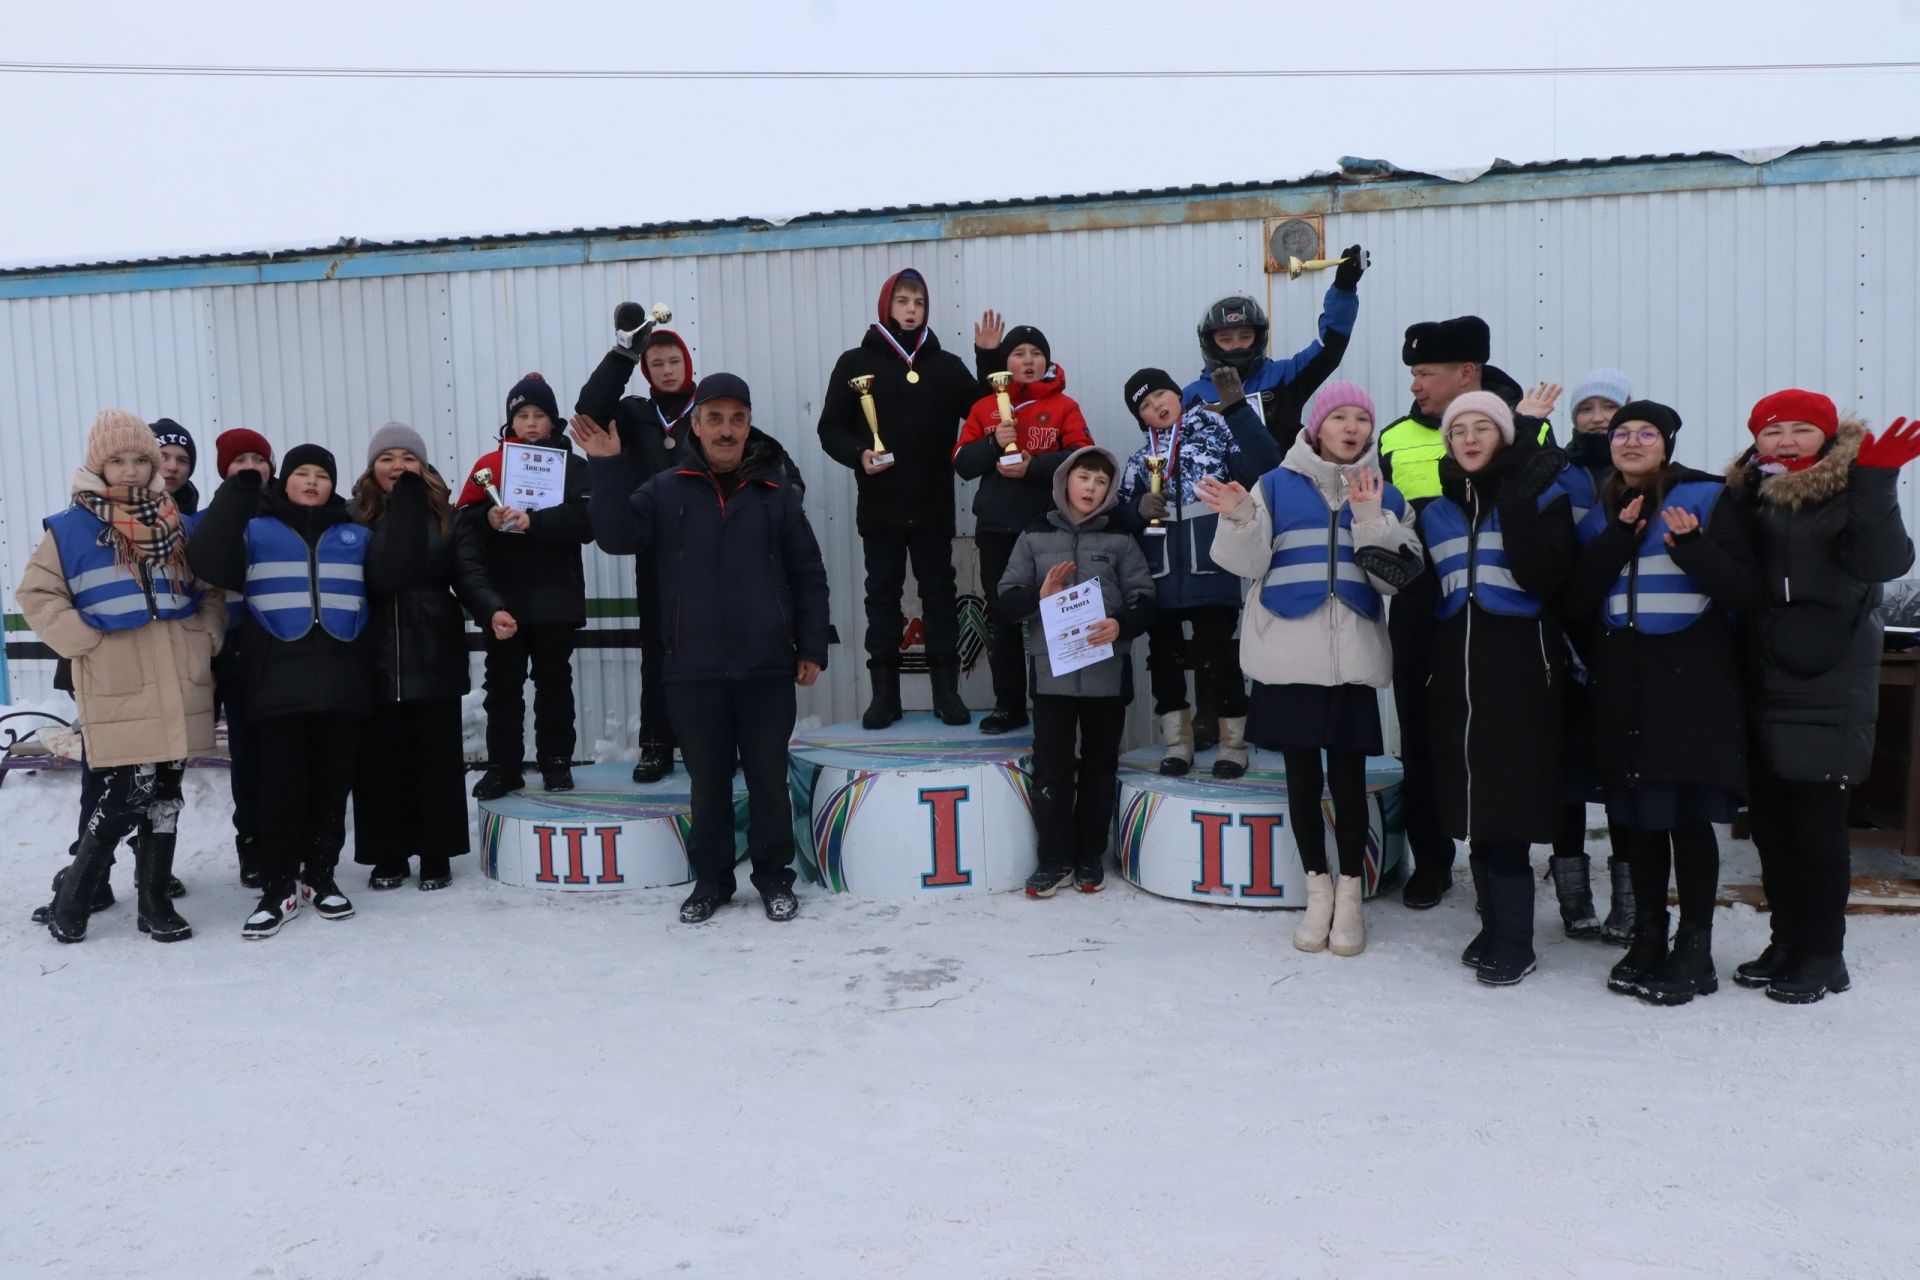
1825	539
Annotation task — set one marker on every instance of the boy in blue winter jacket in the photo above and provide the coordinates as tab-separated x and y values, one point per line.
1176	530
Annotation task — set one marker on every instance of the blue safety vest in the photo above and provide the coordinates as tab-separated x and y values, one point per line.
1472	563
1313	549
291	586
110	596
1578	482
1652	593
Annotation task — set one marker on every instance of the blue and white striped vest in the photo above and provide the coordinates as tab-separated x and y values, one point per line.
1652	593
1313	551
1472	565
109	596
290	585
1578	482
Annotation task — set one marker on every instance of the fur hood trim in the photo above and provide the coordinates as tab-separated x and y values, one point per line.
1825	479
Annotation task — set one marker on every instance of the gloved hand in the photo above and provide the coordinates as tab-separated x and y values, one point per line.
1395	568
631	325
1153	506
1227	385
1893	448
1541	468
1347	274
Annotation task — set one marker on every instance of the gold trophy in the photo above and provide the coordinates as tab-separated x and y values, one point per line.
484	478
1000	382
864	385
1156	468
1297	268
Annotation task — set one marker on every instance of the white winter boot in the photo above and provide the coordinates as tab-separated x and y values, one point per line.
1349	935
1232	761
1176	731
1311	933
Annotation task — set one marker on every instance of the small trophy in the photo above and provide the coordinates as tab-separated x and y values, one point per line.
1297	268
864	385
1156	469
484	478
1000	382
658	314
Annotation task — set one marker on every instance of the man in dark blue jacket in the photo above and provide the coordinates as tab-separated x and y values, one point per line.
743	596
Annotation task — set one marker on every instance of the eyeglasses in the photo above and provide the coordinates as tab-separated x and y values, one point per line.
1635	435
1473	431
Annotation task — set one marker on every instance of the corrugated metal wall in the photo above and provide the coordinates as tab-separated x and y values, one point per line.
1710	299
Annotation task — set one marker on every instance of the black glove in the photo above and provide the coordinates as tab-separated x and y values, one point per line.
1541	468
1347	274
1227	385
1153	506
631	325
1395	568
246	478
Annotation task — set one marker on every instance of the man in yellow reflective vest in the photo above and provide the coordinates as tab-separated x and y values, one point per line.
1447	359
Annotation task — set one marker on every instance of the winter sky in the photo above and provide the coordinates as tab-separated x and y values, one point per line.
116	166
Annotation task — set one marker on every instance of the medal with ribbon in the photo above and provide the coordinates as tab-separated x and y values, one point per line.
912	374
666	425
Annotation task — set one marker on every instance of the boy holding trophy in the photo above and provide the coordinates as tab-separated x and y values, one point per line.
889	414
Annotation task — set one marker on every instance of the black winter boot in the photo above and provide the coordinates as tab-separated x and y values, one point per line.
1429	882
1618	926
655	763
1575	891
1687	971
556	775
152	876
72	901
498	780
1002	720
1765	967
1806	979
947	702
102	897
1476	953
885	707
1509	955
1644	957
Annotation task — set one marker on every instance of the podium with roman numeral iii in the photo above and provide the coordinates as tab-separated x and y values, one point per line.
918	809
1231	843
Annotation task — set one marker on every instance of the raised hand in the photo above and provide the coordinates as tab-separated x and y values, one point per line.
630	325
594	440
1354	264
1893	448
1057	579
1539	402
1223	497
1227	385
1680	522
990	329
1365	486
1630	514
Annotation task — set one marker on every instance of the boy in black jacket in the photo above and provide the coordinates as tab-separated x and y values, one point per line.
920	395
534	560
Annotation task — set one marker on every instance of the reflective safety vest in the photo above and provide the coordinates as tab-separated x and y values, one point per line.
1578	482
1652	593
110	596
1313	549
291	586
1413	450
1472	563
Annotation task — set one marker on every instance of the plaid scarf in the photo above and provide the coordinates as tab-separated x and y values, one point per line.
143	528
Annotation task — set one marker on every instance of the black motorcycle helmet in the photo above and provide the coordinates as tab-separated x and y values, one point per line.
1233	313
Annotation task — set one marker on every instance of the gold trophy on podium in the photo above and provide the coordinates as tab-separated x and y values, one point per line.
1156	470
864	386
1000	382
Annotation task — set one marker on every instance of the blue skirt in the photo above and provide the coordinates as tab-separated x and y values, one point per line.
1300	717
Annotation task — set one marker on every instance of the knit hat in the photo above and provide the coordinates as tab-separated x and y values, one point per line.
532	389
1025	333
1480	402
1608	384
1461	340
313	455
1654	414
1144	383
117	431
723	386
167	431
1794	405
229	445
394	435
1335	395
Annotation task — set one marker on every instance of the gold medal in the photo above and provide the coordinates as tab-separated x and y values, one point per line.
912	376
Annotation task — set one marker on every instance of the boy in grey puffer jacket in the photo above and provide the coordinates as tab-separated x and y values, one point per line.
1073	798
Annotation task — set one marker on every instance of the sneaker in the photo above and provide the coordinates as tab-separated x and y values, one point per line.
496	782
319	891
700	906
1047	881
436	872
780	903
556	775
1090	879
388	875
1002	721
274	910
655	763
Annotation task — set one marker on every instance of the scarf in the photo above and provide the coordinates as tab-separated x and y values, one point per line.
1768	465
143	527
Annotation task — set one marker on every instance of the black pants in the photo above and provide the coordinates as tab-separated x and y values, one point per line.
1346	778
751	721
243	773
549	650
1216	660
410	786
1412	637
1690	853
1074	795
1006	641
887	554
306	770
656	726
135	799
1504	858
1800	830
93	783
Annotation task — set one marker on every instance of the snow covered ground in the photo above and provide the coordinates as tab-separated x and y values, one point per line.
494	1083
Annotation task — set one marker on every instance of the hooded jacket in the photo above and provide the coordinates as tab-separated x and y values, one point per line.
1333	645
537	573
918	422
1283	388
1098	550
1050	427
1825	539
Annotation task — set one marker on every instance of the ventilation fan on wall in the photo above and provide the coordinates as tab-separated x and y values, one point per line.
1296	245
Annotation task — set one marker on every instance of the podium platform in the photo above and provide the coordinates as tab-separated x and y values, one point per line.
1199	839
609	833
918	808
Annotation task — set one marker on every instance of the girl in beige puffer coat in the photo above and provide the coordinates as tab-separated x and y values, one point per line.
1323	538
